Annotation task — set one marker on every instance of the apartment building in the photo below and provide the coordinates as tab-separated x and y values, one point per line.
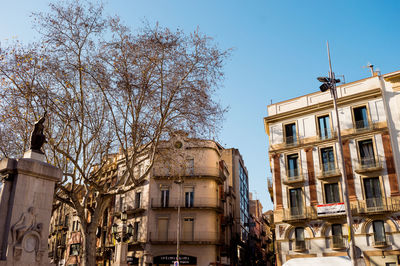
196	193
199	180
65	237
306	186
236	213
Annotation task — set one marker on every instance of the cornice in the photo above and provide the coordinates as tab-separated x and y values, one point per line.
343	101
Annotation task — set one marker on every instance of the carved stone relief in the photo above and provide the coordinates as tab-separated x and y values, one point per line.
26	235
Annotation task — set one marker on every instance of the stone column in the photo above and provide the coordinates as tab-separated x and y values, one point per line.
25	207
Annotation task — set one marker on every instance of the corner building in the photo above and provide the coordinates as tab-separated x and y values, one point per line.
306	170
206	183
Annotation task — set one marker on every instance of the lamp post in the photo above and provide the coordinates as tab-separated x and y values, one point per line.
178	229
329	83
121	238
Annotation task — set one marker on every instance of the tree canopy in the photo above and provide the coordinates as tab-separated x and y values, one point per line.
106	89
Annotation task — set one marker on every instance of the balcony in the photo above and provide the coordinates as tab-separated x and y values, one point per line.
298	214
291	141
338	242
329	135
198	203
329	170
217	172
378	205
191	238
369	165
381	242
293	177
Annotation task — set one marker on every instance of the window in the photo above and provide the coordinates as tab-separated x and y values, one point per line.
74	249
137	200
373	195
361	117
337	237
293	162
332	193
121	202
379	233
296	201
189	197
164	197
328	160
136	231
75	226
324	127
66	221
162	229
188	229
190	166
367	155
299	235
290	133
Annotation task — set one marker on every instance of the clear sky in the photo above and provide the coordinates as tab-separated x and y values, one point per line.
279	50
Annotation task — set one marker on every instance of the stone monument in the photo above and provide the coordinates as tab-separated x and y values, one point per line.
25	204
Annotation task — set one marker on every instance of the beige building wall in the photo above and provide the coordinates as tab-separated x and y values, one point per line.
311	180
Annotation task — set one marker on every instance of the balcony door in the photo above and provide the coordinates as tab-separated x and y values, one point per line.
293	166
290	133
373	194
296	201
367	155
328	160
361	117
324	127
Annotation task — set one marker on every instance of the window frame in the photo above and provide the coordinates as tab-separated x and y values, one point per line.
303	202
321	163
299	169
381	188
366	105
339	192
330	125
296	131
372	138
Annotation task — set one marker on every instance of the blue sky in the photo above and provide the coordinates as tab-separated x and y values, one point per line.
279	50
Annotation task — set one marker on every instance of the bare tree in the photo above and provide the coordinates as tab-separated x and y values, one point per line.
123	94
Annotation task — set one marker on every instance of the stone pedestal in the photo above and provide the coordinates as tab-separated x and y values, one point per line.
25	209
121	253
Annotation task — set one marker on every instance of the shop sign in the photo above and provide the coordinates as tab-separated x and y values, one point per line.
171	259
332	208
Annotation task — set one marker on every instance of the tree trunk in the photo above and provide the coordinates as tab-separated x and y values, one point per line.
89	245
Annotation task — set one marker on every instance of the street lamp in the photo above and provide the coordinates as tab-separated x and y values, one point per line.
178	229
329	83
126	232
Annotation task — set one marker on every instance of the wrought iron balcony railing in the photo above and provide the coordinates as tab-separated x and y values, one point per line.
329	169
369	164
293	177
377	205
186	237
292	141
299	213
189	172
198	202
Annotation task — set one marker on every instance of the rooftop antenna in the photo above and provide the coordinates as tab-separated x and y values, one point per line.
371	67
